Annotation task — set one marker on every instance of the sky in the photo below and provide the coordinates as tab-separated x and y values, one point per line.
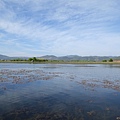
60	27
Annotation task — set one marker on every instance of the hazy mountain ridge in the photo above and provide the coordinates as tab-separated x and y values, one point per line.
4	57
66	58
83	58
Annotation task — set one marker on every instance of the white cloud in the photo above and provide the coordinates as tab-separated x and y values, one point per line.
60	27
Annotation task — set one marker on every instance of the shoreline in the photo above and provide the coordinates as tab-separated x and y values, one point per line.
56	62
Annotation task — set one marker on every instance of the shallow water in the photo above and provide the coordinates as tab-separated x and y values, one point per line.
59	92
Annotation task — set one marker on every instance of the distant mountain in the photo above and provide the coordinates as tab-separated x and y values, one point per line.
3	57
67	58
49	57
83	58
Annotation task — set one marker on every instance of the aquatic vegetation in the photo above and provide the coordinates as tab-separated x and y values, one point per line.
24	76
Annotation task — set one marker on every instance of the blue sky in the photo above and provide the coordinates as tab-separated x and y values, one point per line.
60	27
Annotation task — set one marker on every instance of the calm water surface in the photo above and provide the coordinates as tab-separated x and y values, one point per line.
59	92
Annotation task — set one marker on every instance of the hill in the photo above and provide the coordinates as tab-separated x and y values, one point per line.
82	58
4	57
66	58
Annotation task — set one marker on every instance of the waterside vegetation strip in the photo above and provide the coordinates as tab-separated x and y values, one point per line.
45	61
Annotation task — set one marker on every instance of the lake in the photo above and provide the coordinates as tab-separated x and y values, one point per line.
59	91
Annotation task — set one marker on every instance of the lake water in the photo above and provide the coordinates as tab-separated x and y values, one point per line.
59	91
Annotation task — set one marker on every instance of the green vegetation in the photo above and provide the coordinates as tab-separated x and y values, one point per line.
110	60
40	61
104	60
34	59
18	59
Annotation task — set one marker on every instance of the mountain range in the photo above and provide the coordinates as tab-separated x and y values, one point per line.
4	57
67	58
82	58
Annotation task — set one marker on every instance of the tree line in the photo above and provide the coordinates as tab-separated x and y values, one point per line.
110	60
33	59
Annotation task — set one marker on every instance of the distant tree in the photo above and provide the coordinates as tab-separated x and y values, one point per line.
104	60
110	60
30	59
34	59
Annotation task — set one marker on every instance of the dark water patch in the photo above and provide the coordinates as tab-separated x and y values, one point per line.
112	66
85	66
52	107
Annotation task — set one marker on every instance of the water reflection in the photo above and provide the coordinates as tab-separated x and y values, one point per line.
59	92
